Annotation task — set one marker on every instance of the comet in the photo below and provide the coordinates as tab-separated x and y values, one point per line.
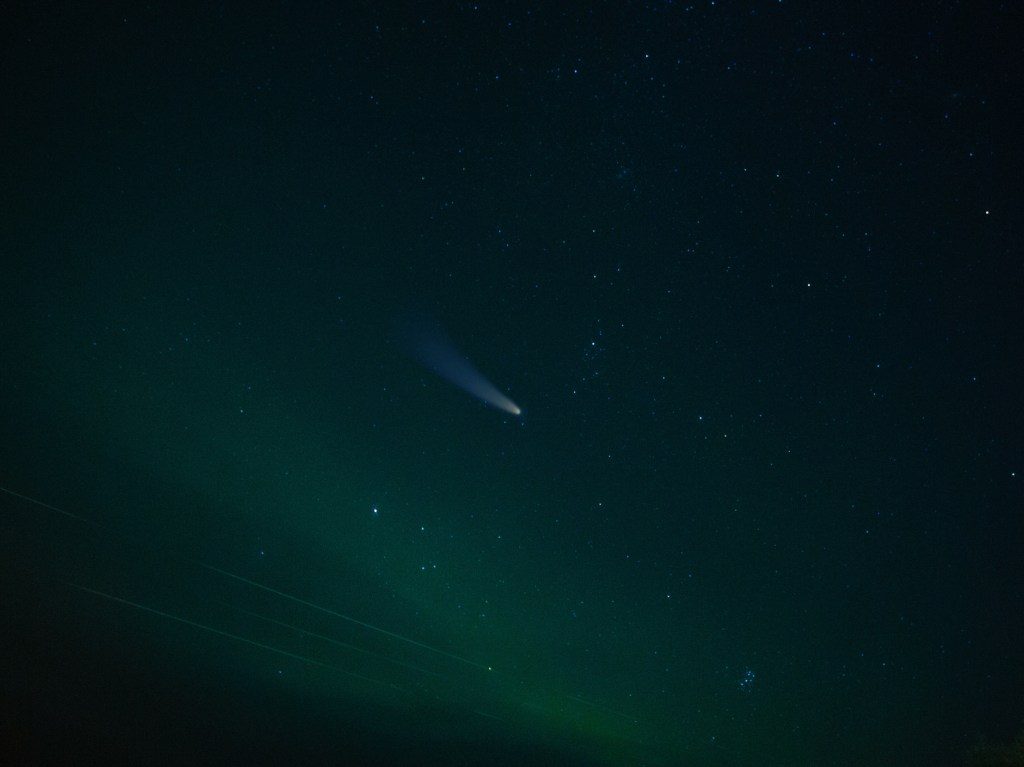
436	351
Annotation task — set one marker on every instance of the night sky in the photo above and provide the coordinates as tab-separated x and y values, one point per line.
751	272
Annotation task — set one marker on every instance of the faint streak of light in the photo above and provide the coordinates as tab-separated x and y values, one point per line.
346	617
46	505
490	716
332	640
298	601
218	632
268	589
598	706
